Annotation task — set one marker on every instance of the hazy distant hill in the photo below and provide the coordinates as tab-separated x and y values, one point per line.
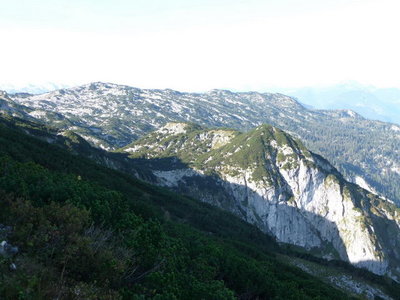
32	88
374	103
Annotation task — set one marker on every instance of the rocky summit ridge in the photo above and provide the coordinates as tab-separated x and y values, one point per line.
272	180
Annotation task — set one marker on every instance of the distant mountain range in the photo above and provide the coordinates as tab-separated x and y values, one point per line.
32	88
381	104
373	103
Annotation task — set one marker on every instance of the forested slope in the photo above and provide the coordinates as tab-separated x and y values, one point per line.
87	232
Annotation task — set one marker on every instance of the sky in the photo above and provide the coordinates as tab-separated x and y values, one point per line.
193	45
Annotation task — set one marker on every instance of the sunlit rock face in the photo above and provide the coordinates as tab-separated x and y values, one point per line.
271	180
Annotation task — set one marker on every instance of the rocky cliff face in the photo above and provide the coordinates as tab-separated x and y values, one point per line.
271	180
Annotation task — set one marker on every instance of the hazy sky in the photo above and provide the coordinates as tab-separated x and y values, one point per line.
199	45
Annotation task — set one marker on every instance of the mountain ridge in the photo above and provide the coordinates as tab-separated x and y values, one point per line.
271	180
111	116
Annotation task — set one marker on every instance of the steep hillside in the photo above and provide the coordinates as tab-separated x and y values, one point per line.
56	200
111	116
75	230
7	106
271	180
